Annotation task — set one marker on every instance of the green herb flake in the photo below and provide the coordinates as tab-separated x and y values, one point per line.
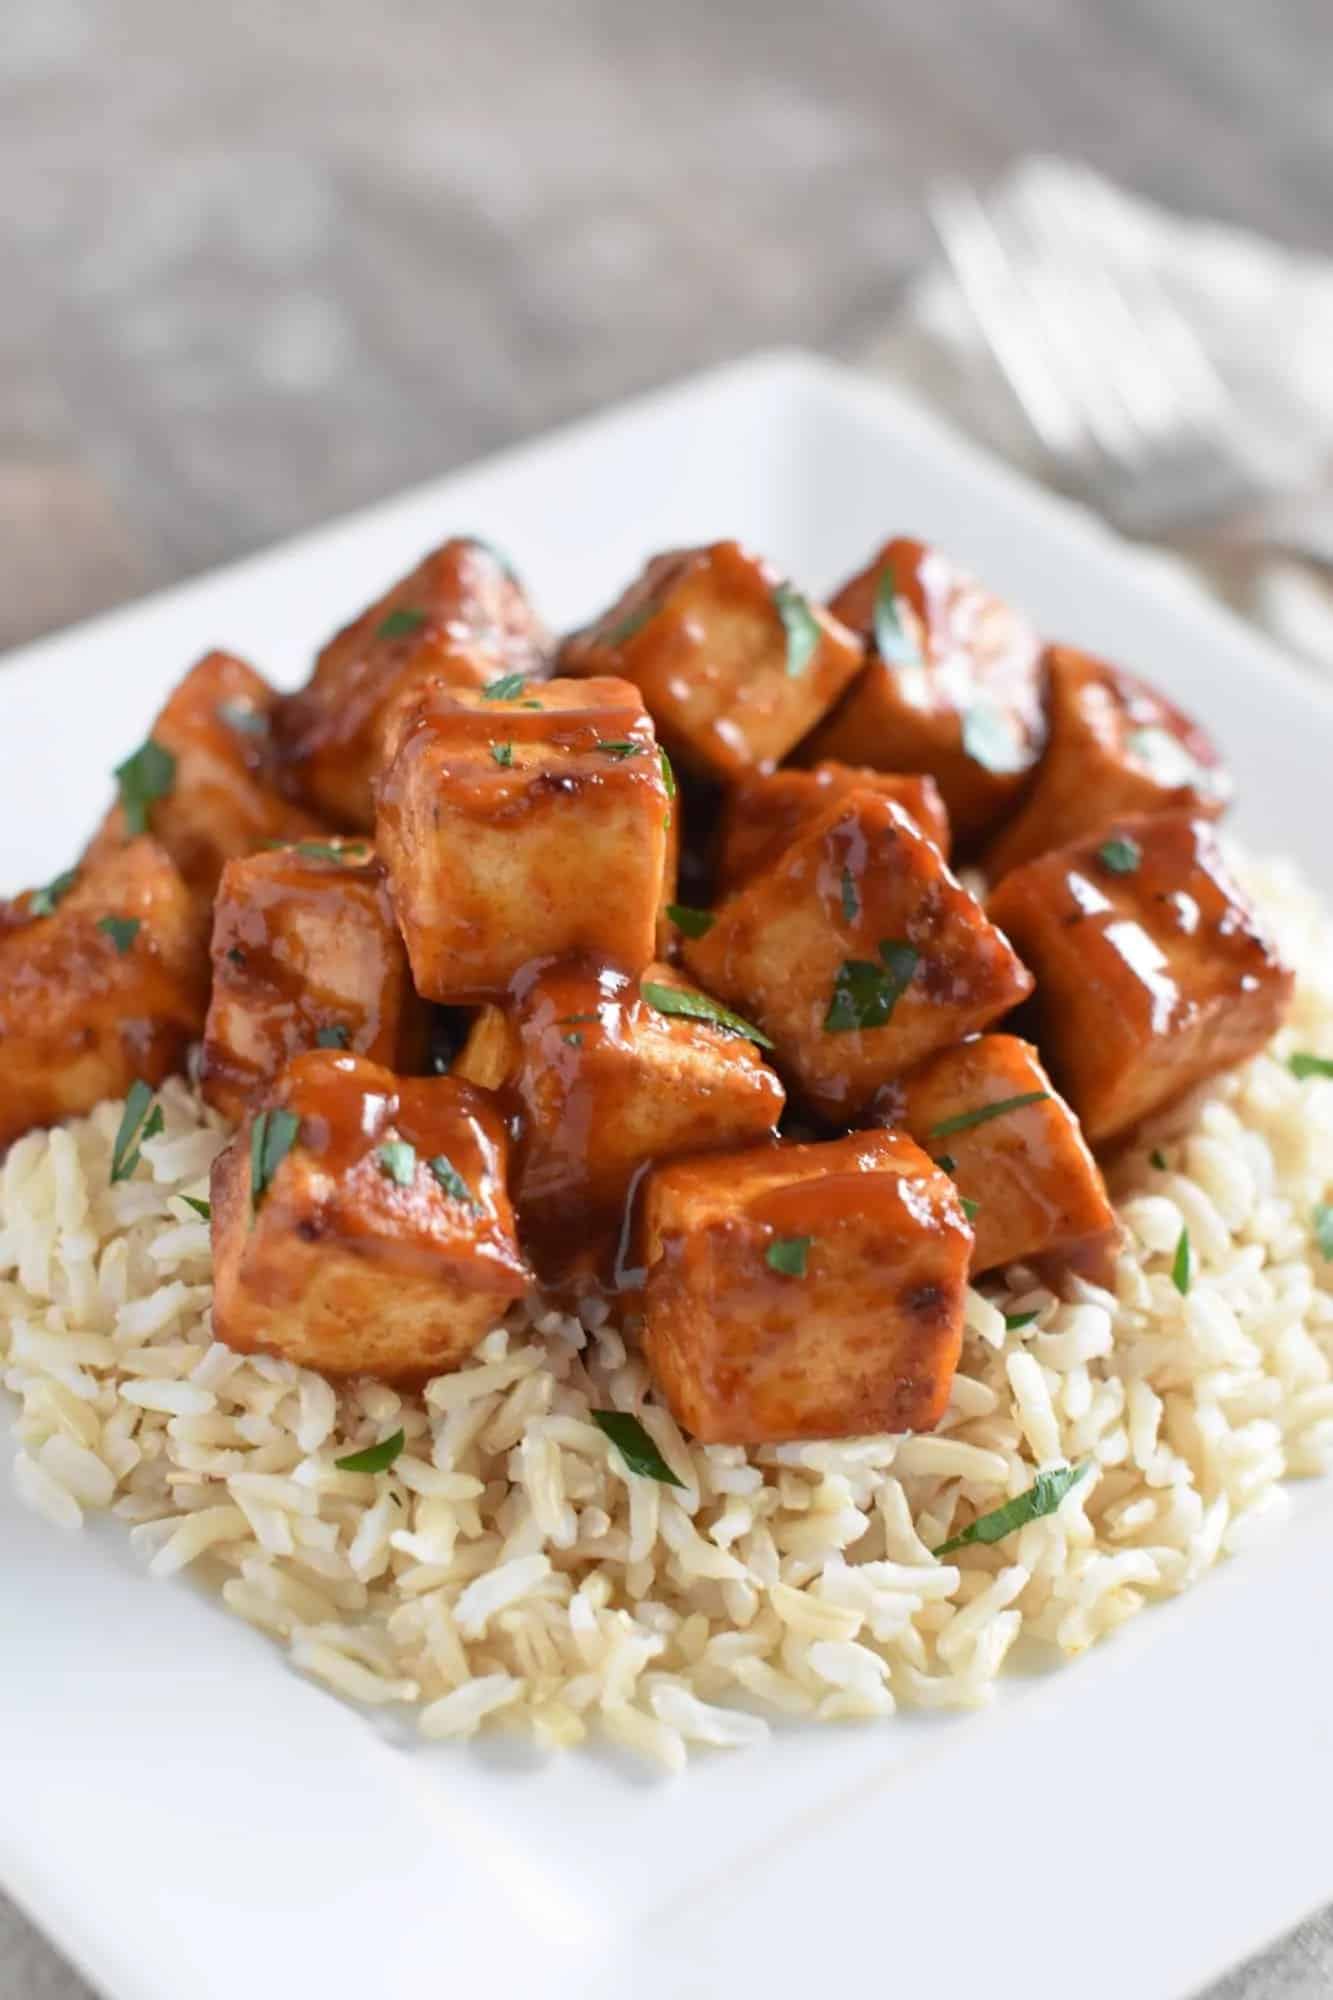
503	754
698	1007
43	901
505	688
947	1164
1303	1064
376	1457
635	1446
122	931
400	624
1121	855
203	1209
801	627
1182	1265
851	900
1322	1219
147	775
325	850
622	750
864	993
788	1255
141	1119
991	740
693	923
336	1037
244	719
966	1121
892	641
668	775
272	1136
398	1162
626	627
574	1038
1014	1321
452	1181
1157	1158
1044	1495
971	1208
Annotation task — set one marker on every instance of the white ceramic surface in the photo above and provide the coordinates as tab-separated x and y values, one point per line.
192	1821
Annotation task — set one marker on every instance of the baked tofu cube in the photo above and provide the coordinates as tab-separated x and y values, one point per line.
953	687
805	1291
734	664
379	1239
205	781
1152	969
1115	746
858	953
526	821
103	979
763	815
990	1116
606	1080
306	954
461	617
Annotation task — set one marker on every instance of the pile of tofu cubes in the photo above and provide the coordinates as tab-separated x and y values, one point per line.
638	960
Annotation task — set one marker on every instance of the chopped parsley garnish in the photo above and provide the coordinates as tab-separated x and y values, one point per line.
1181	1264
851	901
452	1181
1013	1321
272	1136
633	622
503	754
1323	1229
668	775
1044	1495
142	1119
505	688
1157	1158
698	1007
336	1037
621	750
694	923
244	719
42	901
398	1161
947	1164
635	1446
864	993
891	640
788	1254
991	740
122	931
801	626
235	956
203	1209
147	775
966	1120
574	1038
400	624
1303	1064
325	850
376	1457
1121	855
970	1207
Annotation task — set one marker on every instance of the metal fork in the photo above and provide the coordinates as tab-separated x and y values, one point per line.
1121	395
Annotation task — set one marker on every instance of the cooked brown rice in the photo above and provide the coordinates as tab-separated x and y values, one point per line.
508	1566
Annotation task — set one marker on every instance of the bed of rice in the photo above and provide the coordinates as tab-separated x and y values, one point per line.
508	1567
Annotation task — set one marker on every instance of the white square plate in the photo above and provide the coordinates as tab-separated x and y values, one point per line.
192	1821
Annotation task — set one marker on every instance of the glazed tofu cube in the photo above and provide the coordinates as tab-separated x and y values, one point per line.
526	821
103	980
763	815
1115	746
205	781
604	1081
953	687
734	665
1153	971
988	1114
379	1239
805	1291
306	954
460	617
858	953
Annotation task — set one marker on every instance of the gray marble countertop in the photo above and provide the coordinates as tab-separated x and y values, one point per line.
262	264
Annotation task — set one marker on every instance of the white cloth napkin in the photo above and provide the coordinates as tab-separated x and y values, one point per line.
1263	312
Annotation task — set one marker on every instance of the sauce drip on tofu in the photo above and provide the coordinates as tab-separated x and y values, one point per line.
732	1039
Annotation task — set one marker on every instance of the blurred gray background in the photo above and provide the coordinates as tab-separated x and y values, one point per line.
260	263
